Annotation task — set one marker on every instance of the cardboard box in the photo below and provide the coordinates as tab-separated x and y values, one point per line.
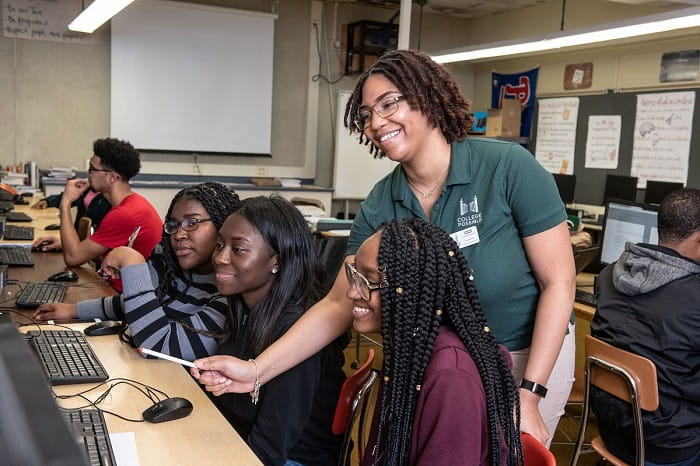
504	121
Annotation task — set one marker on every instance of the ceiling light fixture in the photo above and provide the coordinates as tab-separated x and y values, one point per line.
669	21
98	13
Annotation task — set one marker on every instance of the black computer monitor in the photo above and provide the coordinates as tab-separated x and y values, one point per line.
626	221
566	185
620	187
657	190
32	431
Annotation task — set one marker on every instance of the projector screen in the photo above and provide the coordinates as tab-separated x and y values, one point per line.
192	78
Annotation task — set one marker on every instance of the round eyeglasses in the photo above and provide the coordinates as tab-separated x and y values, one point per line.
91	169
362	285
384	108
187	224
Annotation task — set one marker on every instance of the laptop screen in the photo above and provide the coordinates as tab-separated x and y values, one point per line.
626	221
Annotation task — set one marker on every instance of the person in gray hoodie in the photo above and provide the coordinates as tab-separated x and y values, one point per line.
649	304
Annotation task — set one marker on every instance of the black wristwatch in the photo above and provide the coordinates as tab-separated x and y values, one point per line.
534	387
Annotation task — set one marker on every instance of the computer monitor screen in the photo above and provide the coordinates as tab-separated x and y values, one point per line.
566	185
657	190
32	431
620	187
626	221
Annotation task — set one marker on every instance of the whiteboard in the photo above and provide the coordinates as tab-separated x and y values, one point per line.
355	171
188	77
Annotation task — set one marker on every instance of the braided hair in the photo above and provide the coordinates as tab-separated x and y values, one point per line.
219	201
430	285
428	87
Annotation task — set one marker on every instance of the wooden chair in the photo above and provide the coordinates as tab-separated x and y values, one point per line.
353	399
535	453
625	375
84	228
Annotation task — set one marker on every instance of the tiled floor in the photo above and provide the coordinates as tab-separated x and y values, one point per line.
564	438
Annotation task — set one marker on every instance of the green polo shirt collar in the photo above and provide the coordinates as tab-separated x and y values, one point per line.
460	173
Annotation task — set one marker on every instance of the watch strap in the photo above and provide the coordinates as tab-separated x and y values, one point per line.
534	387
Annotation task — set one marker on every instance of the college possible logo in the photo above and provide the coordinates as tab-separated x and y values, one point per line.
469	212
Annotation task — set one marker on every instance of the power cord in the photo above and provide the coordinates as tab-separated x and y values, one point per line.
151	393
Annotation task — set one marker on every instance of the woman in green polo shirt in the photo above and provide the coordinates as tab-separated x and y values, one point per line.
501	207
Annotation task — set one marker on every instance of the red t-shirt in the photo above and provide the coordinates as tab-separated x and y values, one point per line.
120	222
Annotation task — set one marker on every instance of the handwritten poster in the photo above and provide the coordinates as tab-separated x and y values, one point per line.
603	141
662	133
556	134
42	20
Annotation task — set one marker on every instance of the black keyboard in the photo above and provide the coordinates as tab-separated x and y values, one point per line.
35	293
16	255
584	297
17	232
17	217
6	206
90	431
66	357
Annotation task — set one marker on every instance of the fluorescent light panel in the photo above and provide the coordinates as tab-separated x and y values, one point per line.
98	13
678	19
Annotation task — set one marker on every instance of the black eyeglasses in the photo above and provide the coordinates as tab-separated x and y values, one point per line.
364	286
93	169
187	224
384	108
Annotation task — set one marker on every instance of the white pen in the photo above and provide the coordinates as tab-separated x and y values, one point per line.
166	357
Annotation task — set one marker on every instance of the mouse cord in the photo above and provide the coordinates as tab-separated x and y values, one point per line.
149	392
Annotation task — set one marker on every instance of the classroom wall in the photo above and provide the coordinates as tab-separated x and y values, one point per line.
56	96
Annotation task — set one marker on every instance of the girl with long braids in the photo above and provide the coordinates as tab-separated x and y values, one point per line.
448	396
494	198
170	302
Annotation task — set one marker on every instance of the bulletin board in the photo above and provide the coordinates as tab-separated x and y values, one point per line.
355	171
590	182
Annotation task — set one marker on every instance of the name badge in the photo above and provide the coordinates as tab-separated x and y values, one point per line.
466	237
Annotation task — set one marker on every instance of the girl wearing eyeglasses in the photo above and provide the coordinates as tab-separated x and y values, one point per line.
493	197
448	396
266	263
170	302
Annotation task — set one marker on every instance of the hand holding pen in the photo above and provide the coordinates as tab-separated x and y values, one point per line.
121	257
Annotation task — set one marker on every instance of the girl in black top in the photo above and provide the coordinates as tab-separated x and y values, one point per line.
266	262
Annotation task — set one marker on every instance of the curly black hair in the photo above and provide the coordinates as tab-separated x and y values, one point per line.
430	285
219	201
118	155
427	86
679	215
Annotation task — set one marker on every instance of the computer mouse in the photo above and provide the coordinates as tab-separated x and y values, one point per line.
65	276
53	226
168	410
38	247
106	327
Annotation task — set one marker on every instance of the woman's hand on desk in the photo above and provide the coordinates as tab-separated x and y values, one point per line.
56	311
224	374
42	204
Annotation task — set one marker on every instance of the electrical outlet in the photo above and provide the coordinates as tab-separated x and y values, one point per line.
262	171
335	45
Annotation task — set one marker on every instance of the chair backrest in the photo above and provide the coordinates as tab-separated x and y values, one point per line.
610	379
535	453
84	226
353	398
583	257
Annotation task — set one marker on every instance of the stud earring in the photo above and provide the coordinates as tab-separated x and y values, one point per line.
274	270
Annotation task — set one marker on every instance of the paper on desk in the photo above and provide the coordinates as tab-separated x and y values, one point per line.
124	446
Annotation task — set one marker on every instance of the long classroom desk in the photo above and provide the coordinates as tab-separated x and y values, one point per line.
203	437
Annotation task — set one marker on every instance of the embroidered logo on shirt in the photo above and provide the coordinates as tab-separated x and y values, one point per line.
469	213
